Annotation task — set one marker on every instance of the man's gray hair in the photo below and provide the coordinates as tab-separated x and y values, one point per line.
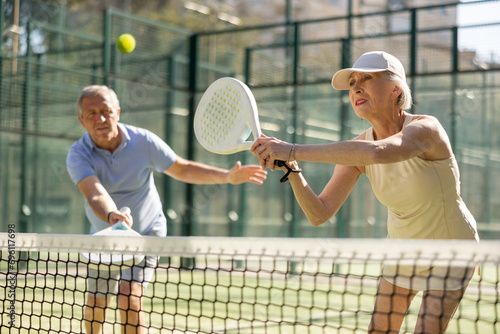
96	90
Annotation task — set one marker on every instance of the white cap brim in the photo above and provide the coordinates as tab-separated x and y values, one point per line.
340	79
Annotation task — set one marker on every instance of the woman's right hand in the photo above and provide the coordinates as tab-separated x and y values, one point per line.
270	149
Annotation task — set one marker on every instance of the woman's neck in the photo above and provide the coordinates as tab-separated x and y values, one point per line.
386	127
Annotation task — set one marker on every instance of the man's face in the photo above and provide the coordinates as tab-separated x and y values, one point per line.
100	118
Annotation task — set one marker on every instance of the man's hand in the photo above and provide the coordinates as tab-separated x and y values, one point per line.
249	173
116	216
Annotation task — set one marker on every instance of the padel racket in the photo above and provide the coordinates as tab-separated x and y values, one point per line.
112	261
226	117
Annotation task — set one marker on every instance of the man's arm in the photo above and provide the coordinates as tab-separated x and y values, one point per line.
198	173
101	202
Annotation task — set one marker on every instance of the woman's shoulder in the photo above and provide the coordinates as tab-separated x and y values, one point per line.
431	129
426	123
422	118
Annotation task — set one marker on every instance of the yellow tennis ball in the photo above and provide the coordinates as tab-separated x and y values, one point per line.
126	43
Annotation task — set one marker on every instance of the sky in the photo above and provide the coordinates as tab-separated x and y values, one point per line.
484	40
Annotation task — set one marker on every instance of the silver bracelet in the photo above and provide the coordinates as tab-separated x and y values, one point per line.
291	152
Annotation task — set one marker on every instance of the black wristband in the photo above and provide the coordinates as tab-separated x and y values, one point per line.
109	214
289	170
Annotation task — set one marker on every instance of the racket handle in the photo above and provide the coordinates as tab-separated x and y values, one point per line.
279	163
125	210
121	225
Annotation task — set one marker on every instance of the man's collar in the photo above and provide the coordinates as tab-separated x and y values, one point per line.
123	133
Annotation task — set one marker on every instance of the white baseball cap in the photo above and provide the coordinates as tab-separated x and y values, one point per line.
375	61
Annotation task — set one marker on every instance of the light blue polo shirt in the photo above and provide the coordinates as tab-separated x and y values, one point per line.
127	174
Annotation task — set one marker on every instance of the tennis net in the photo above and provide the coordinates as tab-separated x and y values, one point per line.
237	285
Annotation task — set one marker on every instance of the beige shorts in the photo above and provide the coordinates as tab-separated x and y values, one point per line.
428	278
105	283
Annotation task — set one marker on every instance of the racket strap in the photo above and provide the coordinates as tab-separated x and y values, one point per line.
289	170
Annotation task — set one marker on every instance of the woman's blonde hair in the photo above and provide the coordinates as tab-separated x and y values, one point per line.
405	101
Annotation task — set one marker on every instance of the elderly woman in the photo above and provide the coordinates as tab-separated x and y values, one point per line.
410	164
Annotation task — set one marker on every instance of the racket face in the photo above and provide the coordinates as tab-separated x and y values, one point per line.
118	230
104	261
112	261
226	116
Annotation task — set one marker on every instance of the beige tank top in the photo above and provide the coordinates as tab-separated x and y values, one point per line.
423	198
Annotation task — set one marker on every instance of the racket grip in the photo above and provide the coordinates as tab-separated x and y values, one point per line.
125	210
121	225
279	163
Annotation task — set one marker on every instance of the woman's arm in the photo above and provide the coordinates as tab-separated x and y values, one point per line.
423	137
318	209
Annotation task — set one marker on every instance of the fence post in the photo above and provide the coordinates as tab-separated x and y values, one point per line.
247	70
2	20
294	227
169	135
454	85
343	215
189	225
106	47
24	208
413	43
413	52
24	211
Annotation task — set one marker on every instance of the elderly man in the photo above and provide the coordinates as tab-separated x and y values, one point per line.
112	165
